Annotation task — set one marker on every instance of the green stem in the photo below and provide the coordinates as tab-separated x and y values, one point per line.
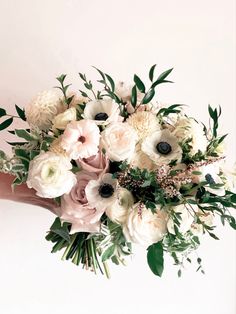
69	247
106	268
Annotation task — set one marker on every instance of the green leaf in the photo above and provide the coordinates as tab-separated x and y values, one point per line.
139	84
108	253
155	258
61	78
56	224
62	233
213	236
6	124
151	72
148	97
2	112
233	198
134	96
163	75
111	82
25	135
211	112
101	73
2	154
21	113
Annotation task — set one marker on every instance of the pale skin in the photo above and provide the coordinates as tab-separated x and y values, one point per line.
23	194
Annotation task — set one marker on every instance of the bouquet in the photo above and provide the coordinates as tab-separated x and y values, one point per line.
124	170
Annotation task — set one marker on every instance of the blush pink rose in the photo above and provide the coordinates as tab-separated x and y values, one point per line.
75	208
98	164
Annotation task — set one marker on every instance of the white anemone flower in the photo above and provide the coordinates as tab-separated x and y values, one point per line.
209	174
102	193
162	147
103	112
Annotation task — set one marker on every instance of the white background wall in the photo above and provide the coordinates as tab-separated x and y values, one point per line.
42	39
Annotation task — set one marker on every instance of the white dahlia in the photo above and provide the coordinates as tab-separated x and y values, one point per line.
162	147
144	123
103	112
43	108
144	227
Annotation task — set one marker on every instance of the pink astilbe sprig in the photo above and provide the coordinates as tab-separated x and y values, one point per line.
171	183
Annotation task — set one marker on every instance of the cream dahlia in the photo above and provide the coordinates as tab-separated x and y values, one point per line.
144	123
81	139
162	147
43	108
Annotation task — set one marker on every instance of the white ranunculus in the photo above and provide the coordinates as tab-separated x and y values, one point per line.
162	147
103	112
61	120
43	108
187	128
118	210
186	218
119	140
50	175
143	227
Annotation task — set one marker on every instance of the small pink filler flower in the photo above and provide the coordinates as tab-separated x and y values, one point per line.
81	139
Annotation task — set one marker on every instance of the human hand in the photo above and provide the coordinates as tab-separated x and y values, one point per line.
23	194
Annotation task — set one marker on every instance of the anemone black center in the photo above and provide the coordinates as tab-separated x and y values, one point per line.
101	116
106	190
209	179
163	148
